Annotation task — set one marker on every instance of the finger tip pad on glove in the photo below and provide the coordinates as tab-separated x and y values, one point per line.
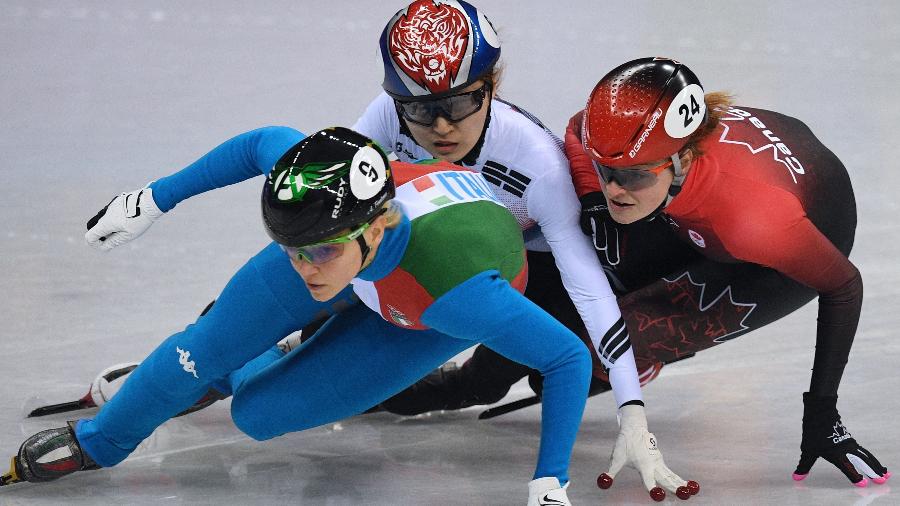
693	487
604	481
685	492
883	478
863	483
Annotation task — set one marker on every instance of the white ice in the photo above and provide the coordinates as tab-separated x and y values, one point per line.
102	97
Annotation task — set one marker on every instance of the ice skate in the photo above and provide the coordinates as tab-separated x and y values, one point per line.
48	455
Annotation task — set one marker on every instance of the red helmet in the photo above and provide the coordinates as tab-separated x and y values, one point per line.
642	111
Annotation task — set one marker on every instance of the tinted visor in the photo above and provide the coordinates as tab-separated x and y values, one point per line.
316	254
327	250
631	179
454	108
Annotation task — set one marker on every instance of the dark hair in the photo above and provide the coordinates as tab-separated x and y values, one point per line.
494	76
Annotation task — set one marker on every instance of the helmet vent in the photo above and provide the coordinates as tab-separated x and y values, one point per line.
625	107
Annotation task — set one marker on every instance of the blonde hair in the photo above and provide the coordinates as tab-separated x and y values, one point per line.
717	103
393	215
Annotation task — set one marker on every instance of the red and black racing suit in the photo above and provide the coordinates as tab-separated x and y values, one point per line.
763	223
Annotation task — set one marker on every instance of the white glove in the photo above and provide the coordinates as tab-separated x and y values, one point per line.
125	217
637	447
547	492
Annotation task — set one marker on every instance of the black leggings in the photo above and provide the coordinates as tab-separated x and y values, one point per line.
685	303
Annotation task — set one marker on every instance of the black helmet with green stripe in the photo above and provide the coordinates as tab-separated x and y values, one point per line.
330	181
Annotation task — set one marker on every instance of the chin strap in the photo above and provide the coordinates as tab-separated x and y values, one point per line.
361	240
674	188
472	156
364	248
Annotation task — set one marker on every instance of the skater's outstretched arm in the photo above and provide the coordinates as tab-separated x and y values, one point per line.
130	214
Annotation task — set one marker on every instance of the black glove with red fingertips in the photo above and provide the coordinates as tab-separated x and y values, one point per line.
824	435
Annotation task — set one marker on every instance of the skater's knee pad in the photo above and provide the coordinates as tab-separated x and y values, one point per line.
254	416
250	423
263	412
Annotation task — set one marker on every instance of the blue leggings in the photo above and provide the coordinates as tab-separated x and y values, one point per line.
354	362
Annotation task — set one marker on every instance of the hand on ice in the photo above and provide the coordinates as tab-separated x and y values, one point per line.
824	435
637	447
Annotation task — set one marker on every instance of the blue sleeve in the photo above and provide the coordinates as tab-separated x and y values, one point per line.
237	159
486	309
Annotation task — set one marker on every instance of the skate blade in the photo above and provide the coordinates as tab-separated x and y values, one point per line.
10	477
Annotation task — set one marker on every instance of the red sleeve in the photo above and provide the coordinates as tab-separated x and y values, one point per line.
583	174
776	232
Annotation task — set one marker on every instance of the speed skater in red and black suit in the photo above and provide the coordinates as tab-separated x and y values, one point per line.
713	220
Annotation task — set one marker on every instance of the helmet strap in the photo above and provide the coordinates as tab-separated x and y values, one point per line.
472	156
674	188
364	249
677	181
404	129
361	239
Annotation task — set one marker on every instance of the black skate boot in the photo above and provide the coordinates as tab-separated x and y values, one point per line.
446	388
483	379
49	455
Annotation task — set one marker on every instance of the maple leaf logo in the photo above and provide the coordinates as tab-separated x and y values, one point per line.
682	319
766	141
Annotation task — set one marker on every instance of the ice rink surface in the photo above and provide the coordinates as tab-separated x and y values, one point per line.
102	97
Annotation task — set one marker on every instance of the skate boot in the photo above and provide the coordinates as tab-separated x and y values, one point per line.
49	455
292	341
447	388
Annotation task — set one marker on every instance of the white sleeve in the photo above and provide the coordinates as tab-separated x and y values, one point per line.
554	205
379	122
